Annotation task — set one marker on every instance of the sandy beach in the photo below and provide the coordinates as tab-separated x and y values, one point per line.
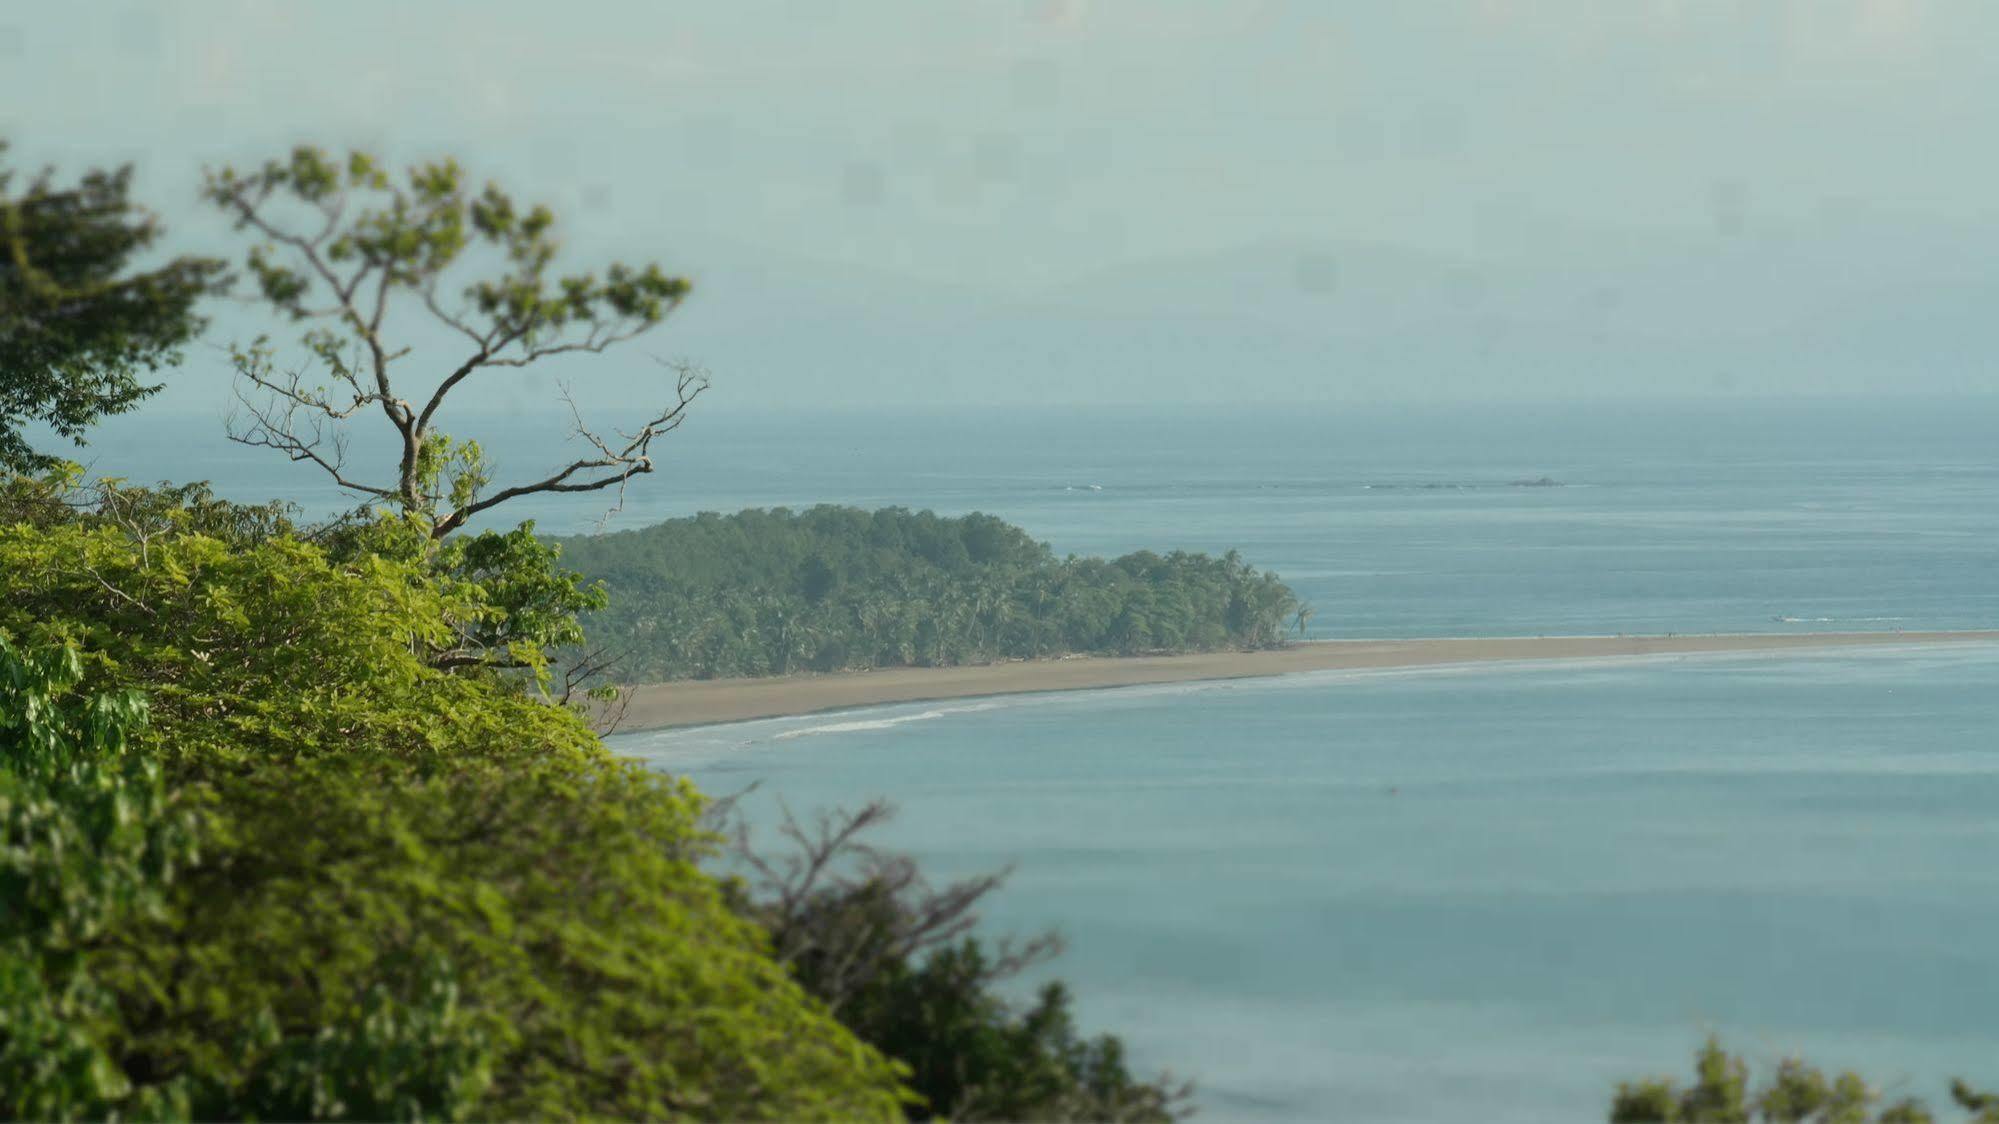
706	702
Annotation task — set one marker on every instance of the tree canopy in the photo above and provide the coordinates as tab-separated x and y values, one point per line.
344	248
317	875
1797	1092
81	325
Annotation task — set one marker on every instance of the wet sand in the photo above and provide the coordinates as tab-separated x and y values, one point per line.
706	702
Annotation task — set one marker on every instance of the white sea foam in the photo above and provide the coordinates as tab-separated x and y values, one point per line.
856	724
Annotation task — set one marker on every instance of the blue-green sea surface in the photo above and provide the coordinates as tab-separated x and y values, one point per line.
1465	893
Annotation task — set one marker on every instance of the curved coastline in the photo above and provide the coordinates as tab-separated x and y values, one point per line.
710	702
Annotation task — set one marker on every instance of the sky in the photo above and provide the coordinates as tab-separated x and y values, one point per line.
934	203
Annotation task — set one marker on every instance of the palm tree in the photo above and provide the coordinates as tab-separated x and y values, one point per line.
872	612
1302	618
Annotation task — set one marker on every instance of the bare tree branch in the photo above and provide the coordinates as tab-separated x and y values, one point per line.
275	425
600	339
618	462
835	901
436	309
369	329
582	671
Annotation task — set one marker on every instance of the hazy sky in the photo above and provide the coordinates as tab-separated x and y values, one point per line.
935	201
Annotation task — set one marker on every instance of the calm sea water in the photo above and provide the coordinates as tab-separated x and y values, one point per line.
1466	894
1451	893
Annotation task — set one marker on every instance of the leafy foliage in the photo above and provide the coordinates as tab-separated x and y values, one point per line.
973	1056
392	1059
272	652
1797	1093
530	603
88	838
329	878
768	592
152	556
79	327
593	968
60	496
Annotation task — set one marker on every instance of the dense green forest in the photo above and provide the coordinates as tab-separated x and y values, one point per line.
766	592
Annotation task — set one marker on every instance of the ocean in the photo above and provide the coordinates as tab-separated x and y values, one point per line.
1453	893
1464	894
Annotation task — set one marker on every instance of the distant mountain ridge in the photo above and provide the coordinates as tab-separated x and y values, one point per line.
1332	320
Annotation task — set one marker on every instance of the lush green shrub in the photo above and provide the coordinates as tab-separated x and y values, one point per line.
1797	1093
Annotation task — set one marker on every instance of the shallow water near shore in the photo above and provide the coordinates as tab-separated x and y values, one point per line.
1472	892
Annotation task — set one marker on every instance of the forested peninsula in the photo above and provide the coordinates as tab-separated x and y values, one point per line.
777	591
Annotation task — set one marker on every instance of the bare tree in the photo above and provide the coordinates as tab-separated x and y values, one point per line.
838	909
585	672
852	923
343	247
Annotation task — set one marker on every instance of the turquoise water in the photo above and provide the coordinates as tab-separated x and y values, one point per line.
1452	893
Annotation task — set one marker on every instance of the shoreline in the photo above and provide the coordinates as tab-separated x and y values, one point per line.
713	702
